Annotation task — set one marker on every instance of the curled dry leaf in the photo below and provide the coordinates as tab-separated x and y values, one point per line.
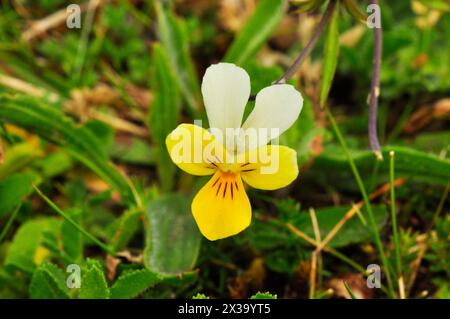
111	267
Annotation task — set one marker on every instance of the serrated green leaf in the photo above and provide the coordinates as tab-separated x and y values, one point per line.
256	31
132	283
48	282
173	36
93	282
173	240
263	295
200	296
165	113
330	55
26	251
12	191
50	123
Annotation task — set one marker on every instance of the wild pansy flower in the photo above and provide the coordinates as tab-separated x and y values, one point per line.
233	153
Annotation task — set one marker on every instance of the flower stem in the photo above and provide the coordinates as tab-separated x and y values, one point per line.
375	91
105	247
311	44
372	222
398	260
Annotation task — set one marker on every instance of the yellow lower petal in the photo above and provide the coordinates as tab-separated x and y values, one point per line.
221	208
270	167
195	150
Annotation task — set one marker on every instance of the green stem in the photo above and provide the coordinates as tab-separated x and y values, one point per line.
9	223
100	244
82	48
373	224
394	216
350	292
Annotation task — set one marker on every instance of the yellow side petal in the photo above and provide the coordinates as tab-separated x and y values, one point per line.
194	150
221	208
270	167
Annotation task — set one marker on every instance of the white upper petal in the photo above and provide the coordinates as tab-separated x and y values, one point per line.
277	107
225	89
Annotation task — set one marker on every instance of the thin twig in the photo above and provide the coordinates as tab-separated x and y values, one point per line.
326	249
354	210
316	258
54	20
311	44
312	275
331	251
375	91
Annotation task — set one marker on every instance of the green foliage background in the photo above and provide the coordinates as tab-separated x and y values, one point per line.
84	114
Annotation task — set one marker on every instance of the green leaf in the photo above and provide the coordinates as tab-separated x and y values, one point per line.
330	56
93	282
26	251
165	113
256	31
50	123
173	240
72	239
48	282
172	33
128	225
263	295
408	163
12	191
134	282
136	151
53	164
200	296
